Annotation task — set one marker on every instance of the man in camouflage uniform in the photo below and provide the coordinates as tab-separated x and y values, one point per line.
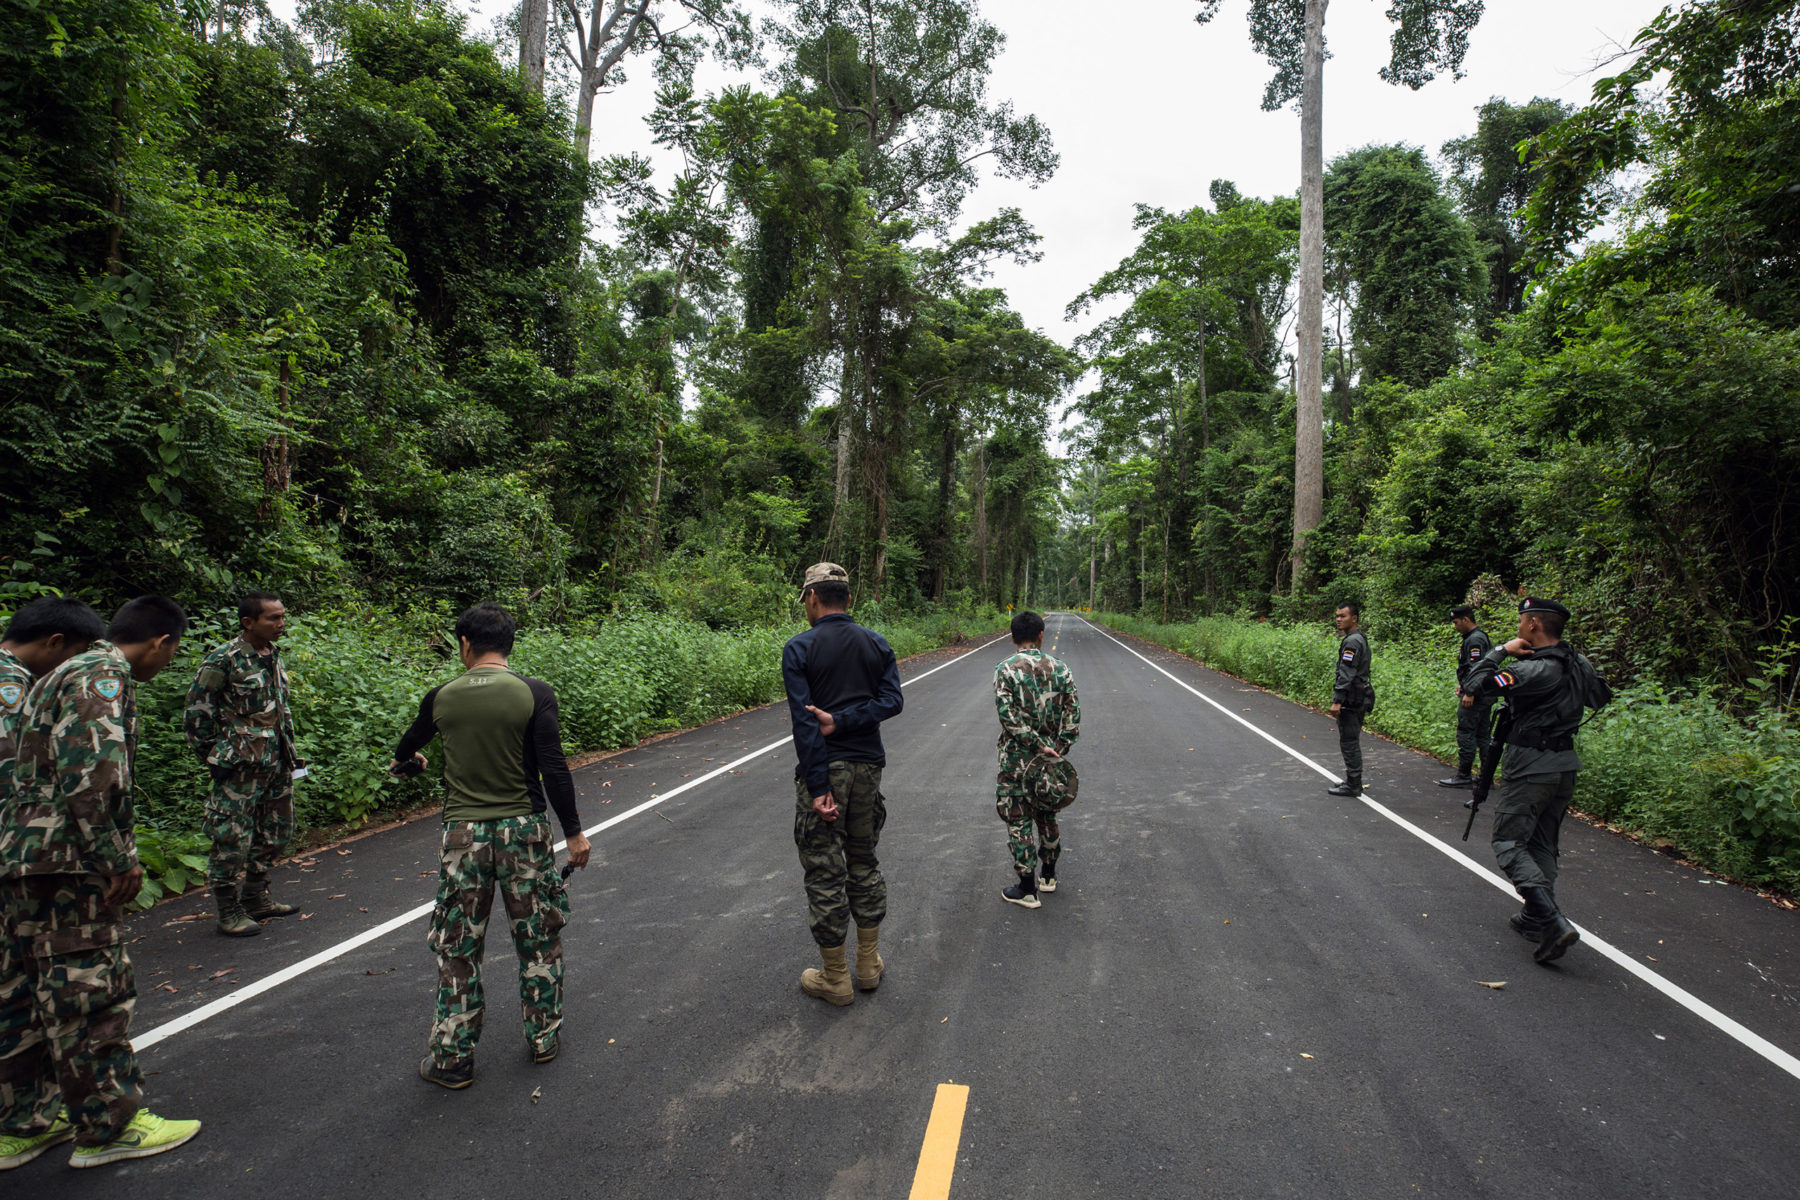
238	721
842	683
1474	717
503	767
68	867
1040	720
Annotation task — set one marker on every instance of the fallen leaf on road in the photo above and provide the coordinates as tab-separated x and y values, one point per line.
606	783
343	852
1652	958
306	916
1496	986
225	972
609	1041
339	896
537	1093
194	917
167	987
1306	1056
362	910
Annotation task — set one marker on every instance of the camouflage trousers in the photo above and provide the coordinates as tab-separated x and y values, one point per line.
1032	834
66	996
1528	821
513	855
843	877
250	819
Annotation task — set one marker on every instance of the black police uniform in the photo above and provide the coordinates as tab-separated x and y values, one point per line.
1474	724
1351	691
1539	766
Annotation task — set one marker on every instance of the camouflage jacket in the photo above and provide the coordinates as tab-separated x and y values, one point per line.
70	808
15	685
237	709
1039	710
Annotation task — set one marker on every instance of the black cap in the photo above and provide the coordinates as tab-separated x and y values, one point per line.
1462	610
1539	604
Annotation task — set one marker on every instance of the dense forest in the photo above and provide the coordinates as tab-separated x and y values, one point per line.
360	308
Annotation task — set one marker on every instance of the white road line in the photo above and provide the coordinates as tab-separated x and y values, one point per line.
1700	1008
269	983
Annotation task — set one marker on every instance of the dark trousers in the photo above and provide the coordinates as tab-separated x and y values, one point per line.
1350	740
1528	827
1474	731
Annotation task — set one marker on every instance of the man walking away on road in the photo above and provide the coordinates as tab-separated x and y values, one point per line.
41	637
842	683
1352	696
68	868
503	766
1545	692
1040	720
1474	718
240	724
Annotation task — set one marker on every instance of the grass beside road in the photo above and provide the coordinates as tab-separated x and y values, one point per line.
1683	771
357	678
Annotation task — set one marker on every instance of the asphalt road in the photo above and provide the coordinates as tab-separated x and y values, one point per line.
1243	987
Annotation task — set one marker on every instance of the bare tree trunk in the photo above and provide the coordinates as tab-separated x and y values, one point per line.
599	50
1309	434
840	495
534	22
981	529
1093	566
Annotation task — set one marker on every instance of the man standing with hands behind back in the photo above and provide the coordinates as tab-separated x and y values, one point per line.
842	683
1352	696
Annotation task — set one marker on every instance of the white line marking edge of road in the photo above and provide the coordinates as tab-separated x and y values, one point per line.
268	983
1700	1008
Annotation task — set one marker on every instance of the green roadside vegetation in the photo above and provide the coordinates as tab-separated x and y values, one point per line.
357	678
1679	770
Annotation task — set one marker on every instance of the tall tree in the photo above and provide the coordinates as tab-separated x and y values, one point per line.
1429	35
595	41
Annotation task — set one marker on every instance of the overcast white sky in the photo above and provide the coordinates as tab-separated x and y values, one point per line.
1145	105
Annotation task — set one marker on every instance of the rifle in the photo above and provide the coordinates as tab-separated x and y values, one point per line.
1490	762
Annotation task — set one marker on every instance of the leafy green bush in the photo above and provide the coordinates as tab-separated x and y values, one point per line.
1680	769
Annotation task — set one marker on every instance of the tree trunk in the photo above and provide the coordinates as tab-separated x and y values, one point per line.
981	529
840	496
534	21
1309	434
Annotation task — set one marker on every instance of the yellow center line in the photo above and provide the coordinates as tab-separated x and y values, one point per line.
943	1133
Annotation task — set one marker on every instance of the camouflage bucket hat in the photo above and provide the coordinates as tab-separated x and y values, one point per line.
1051	782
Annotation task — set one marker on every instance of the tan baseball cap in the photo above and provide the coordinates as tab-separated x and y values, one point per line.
825	572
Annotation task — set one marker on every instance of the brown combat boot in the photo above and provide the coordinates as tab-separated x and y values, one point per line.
257	904
832	984
233	920
868	958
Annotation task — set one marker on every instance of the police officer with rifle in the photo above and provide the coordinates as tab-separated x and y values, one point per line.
1545	689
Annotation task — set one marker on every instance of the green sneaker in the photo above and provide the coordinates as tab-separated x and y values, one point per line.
147	1134
17	1149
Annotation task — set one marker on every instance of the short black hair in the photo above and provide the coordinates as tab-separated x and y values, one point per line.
1354	608
832	593
1027	626
253	603
1550	619
50	615
488	627
146	619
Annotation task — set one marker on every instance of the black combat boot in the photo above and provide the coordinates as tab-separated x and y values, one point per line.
1556	933
233	920
1462	778
1351	786
1046	877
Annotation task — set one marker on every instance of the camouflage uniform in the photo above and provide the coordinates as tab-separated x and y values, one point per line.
1034	695
66	826
15	686
239	723
843	876
515	855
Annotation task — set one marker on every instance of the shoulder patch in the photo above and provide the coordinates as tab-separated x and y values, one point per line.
1348	656
1504	679
11	695
108	687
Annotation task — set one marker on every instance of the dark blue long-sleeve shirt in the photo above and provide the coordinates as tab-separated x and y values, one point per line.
849	672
